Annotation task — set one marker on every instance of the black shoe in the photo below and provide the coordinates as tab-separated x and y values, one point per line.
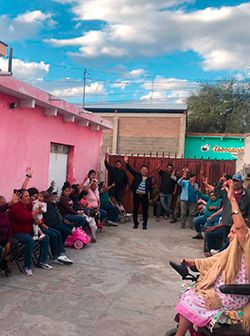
135	226
198	236
144	228
173	220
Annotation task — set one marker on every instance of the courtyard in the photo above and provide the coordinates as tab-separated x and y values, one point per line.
121	286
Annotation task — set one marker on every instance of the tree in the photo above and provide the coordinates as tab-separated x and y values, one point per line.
220	108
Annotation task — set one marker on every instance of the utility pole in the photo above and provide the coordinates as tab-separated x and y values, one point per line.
84	88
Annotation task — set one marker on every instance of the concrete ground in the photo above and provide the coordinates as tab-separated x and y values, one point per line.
121	286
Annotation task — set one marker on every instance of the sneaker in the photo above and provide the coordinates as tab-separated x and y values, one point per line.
45	266
213	252
198	236
65	260
111	223
27	271
73	230
35	237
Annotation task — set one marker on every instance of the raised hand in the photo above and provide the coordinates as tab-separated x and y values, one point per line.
230	190
29	171
126	159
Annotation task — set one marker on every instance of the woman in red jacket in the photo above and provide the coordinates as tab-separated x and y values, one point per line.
22	219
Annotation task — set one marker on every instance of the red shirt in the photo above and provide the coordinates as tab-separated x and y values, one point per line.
21	218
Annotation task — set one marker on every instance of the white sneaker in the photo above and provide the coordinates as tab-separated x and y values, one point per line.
46	266
35	237
213	252
110	223
65	260
27	271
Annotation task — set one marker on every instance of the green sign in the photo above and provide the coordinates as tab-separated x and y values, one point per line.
213	147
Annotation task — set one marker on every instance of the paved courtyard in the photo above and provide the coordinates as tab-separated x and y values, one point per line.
121	286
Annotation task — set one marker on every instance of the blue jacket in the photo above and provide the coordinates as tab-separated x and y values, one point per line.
184	192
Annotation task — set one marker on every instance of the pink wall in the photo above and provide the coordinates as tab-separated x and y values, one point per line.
25	137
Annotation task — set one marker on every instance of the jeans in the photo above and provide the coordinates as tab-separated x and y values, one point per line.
65	229
29	243
55	241
213	236
112	212
157	208
78	221
198	221
187	208
165	200
143	200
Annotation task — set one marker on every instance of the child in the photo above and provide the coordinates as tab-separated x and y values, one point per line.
38	220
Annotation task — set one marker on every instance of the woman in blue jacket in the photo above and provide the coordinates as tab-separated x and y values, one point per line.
140	187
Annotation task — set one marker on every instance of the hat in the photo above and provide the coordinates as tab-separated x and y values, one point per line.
238	177
32	191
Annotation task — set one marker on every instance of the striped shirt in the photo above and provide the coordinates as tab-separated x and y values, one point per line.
141	190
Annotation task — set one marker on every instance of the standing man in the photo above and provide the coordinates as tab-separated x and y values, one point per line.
188	198
118	176
140	187
167	187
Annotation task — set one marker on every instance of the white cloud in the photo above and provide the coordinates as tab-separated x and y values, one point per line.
219	35
169	89
73	92
26	70
136	73
120	85
25	25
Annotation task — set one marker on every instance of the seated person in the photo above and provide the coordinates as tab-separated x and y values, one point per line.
212	206
21	219
106	204
7	245
53	218
67	211
92	197
199	305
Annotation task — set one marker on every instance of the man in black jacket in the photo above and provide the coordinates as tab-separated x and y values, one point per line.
140	187
118	177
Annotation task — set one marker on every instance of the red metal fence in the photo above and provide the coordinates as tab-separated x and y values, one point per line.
212	169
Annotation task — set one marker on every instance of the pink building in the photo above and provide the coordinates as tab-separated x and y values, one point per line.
57	139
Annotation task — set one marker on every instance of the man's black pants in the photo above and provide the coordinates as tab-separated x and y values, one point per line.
143	200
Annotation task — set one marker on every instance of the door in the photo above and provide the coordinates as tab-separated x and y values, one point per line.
58	165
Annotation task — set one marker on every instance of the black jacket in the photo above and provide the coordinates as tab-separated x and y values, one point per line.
117	176
137	180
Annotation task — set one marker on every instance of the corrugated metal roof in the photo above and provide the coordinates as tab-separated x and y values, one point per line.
137	108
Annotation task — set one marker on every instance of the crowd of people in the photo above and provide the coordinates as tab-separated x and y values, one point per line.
46	218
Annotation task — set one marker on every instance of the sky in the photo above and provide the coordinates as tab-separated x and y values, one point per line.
126	51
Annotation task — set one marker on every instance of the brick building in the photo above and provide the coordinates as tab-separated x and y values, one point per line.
144	130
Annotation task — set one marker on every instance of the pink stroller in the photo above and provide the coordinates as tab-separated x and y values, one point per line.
78	239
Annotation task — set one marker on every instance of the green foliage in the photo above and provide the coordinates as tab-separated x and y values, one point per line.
220	108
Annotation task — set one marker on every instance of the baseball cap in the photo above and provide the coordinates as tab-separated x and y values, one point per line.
238	177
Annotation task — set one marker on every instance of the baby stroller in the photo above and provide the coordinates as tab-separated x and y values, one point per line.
124	217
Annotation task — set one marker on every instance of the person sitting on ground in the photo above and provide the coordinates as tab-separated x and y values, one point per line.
106	204
155	199
188	198
141	187
212	206
21	219
199	305
7	244
117	177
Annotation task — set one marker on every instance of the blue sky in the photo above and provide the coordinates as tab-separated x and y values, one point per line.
135	51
